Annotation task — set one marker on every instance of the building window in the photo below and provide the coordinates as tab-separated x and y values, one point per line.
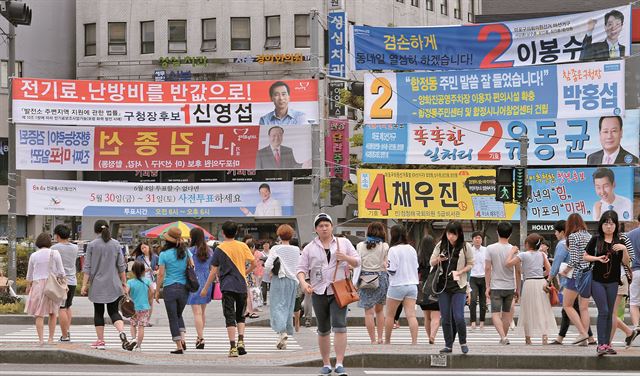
90	39
457	11
177	35
400	1
147	38
4	72
471	12
117	38
240	33
430	5
273	32
415	3
303	31
208	35
444	7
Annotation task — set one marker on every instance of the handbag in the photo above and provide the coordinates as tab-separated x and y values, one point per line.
55	287
126	306
344	291
276	266
217	294
583	281
192	280
429	286
369	281
554	299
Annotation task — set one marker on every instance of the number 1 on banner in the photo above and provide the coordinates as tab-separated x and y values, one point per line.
378	111
187	117
378	189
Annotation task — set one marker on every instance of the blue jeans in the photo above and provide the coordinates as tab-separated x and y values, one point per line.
604	294
175	299
452	313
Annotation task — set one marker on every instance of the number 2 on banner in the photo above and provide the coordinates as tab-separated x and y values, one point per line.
377	109
487	153
378	189
489	61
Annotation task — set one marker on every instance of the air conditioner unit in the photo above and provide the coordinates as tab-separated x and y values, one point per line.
117	49
272	43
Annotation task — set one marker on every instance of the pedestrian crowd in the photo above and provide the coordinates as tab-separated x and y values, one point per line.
441	277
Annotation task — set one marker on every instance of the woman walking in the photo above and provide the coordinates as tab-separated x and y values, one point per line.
430	309
374	280
403	282
607	252
203	258
41	263
104	279
577	240
149	259
251	282
455	259
172	276
284	284
536	314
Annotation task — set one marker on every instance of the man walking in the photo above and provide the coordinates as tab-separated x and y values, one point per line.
477	281
228	262
319	260
503	282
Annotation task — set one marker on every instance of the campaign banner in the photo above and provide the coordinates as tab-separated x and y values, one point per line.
579	141
539	92
470	194
598	35
115	199
49	101
336	148
163	148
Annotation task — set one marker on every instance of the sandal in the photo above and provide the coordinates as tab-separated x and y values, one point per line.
252	315
200	343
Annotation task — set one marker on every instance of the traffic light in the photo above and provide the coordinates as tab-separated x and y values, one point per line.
15	12
520	185
336	191
504	184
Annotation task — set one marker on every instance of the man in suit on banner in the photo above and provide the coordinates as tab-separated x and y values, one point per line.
609	48
610	128
276	156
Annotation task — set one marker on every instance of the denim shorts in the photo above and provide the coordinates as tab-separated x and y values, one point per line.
402	292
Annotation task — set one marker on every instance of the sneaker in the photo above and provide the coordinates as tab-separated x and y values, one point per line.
627	341
98	345
65	339
446	350
505	341
132	345
307	323
610	350
233	352
325	371
241	349
464	348
340	371
123	339
282	341
601	350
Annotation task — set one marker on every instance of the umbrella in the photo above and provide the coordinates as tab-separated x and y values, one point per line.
185	228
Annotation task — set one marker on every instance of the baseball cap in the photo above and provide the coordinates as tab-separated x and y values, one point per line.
322	217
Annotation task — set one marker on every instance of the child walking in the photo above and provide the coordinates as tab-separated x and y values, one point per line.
142	295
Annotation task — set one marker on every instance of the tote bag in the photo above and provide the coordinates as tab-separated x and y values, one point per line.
56	287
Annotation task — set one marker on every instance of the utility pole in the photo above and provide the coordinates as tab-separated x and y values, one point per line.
524	146
317	140
12	220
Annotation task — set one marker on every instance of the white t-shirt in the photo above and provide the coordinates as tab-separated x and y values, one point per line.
402	265
270	208
502	277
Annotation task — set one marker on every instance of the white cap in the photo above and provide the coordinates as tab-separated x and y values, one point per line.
321	217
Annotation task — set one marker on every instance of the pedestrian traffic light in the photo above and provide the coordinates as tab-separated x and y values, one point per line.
15	12
504	184
520	185
336	191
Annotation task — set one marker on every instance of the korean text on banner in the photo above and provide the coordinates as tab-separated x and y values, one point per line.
98	199
337	22
164	148
542	92
48	101
470	194
578	141
337	148
598	35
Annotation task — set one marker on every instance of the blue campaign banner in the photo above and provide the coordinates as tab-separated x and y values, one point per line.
556	193
337	22
537	92
607	140
601	35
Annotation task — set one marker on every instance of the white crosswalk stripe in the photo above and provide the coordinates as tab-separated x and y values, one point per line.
158	339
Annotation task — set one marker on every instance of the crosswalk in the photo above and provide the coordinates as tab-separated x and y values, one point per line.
157	340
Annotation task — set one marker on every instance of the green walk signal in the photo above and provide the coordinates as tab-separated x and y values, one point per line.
504	192
520	185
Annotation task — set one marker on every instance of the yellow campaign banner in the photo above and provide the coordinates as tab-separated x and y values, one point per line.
430	194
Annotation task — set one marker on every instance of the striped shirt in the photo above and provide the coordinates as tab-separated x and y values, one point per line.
577	243
289	256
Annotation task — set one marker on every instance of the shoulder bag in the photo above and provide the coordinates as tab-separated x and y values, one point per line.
126	306
344	291
192	280
369	281
584	278
56	287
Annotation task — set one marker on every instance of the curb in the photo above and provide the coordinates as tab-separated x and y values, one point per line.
17	356
458	361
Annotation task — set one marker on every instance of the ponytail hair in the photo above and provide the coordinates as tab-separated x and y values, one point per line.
102	227
534	241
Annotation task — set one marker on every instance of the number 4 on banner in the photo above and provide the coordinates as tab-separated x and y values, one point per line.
378	188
